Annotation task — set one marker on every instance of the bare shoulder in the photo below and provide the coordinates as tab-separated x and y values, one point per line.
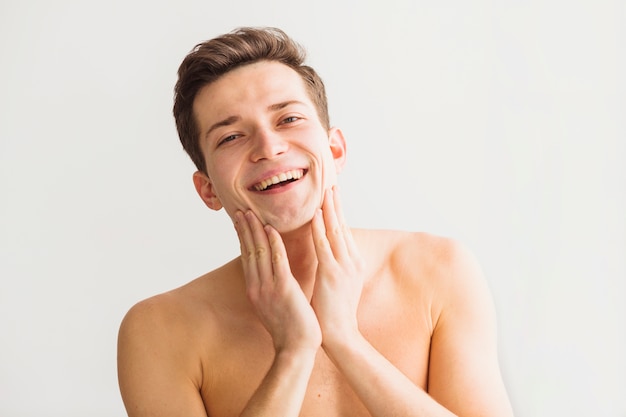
159	315
419	254
151	325
450	268
438	271
156	373
446	275
179	312
162	344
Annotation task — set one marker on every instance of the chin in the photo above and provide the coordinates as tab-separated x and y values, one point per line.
291	225
295	233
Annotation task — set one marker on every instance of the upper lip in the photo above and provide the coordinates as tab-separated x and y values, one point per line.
275	176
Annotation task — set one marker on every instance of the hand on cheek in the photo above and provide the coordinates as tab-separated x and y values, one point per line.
271	288
339	277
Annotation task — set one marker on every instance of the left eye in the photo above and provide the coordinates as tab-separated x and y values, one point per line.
290	119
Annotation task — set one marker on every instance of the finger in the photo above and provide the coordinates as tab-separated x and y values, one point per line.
240	227
320	240
334	229
246	243
280	262
260	247
348	238
248	262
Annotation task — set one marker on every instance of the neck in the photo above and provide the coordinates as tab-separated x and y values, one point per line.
302	257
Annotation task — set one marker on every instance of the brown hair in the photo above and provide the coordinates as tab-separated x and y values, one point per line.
211	59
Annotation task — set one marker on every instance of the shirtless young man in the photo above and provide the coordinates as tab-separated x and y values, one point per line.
314	318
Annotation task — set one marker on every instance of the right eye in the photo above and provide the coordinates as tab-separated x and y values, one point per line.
228	138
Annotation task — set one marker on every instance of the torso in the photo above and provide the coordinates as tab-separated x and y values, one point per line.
233	350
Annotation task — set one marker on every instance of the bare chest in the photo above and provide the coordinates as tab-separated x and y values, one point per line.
399	330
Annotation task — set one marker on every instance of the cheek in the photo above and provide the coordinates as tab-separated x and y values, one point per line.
228	188
223	173
330	167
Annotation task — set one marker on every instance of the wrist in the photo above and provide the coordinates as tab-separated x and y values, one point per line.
296	357
337	344
306	345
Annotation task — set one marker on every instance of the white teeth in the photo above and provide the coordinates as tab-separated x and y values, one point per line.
294	174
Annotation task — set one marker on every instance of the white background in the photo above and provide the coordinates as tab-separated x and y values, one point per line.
499	123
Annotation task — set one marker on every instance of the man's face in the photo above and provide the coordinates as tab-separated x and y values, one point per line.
264	146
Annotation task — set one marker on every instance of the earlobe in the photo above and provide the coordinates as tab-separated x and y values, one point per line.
337	147
204	188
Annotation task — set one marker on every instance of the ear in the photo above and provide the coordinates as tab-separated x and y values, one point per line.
206	191
337	147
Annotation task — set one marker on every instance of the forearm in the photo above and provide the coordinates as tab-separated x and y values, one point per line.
384	390
282	391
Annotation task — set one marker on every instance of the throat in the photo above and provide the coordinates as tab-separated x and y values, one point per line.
302	257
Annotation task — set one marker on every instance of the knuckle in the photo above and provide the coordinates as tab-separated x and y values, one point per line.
260	251
277	257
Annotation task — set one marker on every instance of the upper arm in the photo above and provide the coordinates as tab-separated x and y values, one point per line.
464	374
157	376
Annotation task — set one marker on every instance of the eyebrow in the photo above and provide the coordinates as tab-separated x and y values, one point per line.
282	105
225	122
233	119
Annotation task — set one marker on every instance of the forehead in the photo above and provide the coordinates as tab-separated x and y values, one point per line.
258	84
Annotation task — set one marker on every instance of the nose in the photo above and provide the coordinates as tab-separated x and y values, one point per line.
267	144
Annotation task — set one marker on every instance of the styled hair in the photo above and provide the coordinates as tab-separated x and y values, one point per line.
211	59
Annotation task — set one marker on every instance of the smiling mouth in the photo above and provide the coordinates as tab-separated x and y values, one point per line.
279	180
